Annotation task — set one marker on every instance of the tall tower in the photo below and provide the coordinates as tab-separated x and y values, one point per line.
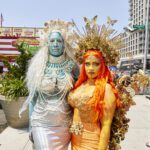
136	36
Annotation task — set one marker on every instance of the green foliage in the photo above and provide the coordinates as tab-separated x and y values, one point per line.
12	85
13	89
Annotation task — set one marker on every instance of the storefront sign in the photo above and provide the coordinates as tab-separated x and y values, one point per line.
20	32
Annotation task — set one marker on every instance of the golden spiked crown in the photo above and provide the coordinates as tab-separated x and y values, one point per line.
102	38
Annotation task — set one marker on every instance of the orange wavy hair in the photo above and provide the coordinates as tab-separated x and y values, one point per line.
104	76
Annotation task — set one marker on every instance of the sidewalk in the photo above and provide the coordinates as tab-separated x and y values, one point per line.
15	139
139	126
138	133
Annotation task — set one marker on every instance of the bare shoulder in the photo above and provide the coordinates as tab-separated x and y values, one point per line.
109	93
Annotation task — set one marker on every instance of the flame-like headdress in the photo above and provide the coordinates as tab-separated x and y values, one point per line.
102	38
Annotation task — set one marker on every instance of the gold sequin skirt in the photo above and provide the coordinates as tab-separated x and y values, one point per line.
88	140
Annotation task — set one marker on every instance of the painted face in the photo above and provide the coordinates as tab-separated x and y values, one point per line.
55	44
92	66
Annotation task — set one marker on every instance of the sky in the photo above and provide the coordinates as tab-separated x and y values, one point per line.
34	13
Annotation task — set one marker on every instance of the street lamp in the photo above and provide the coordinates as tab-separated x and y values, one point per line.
146	37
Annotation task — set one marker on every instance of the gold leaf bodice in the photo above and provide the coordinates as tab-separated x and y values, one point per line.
82	99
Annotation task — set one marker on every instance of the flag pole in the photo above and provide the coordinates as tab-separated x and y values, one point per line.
1	20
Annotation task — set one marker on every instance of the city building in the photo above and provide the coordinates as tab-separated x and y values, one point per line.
136	37
8	38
